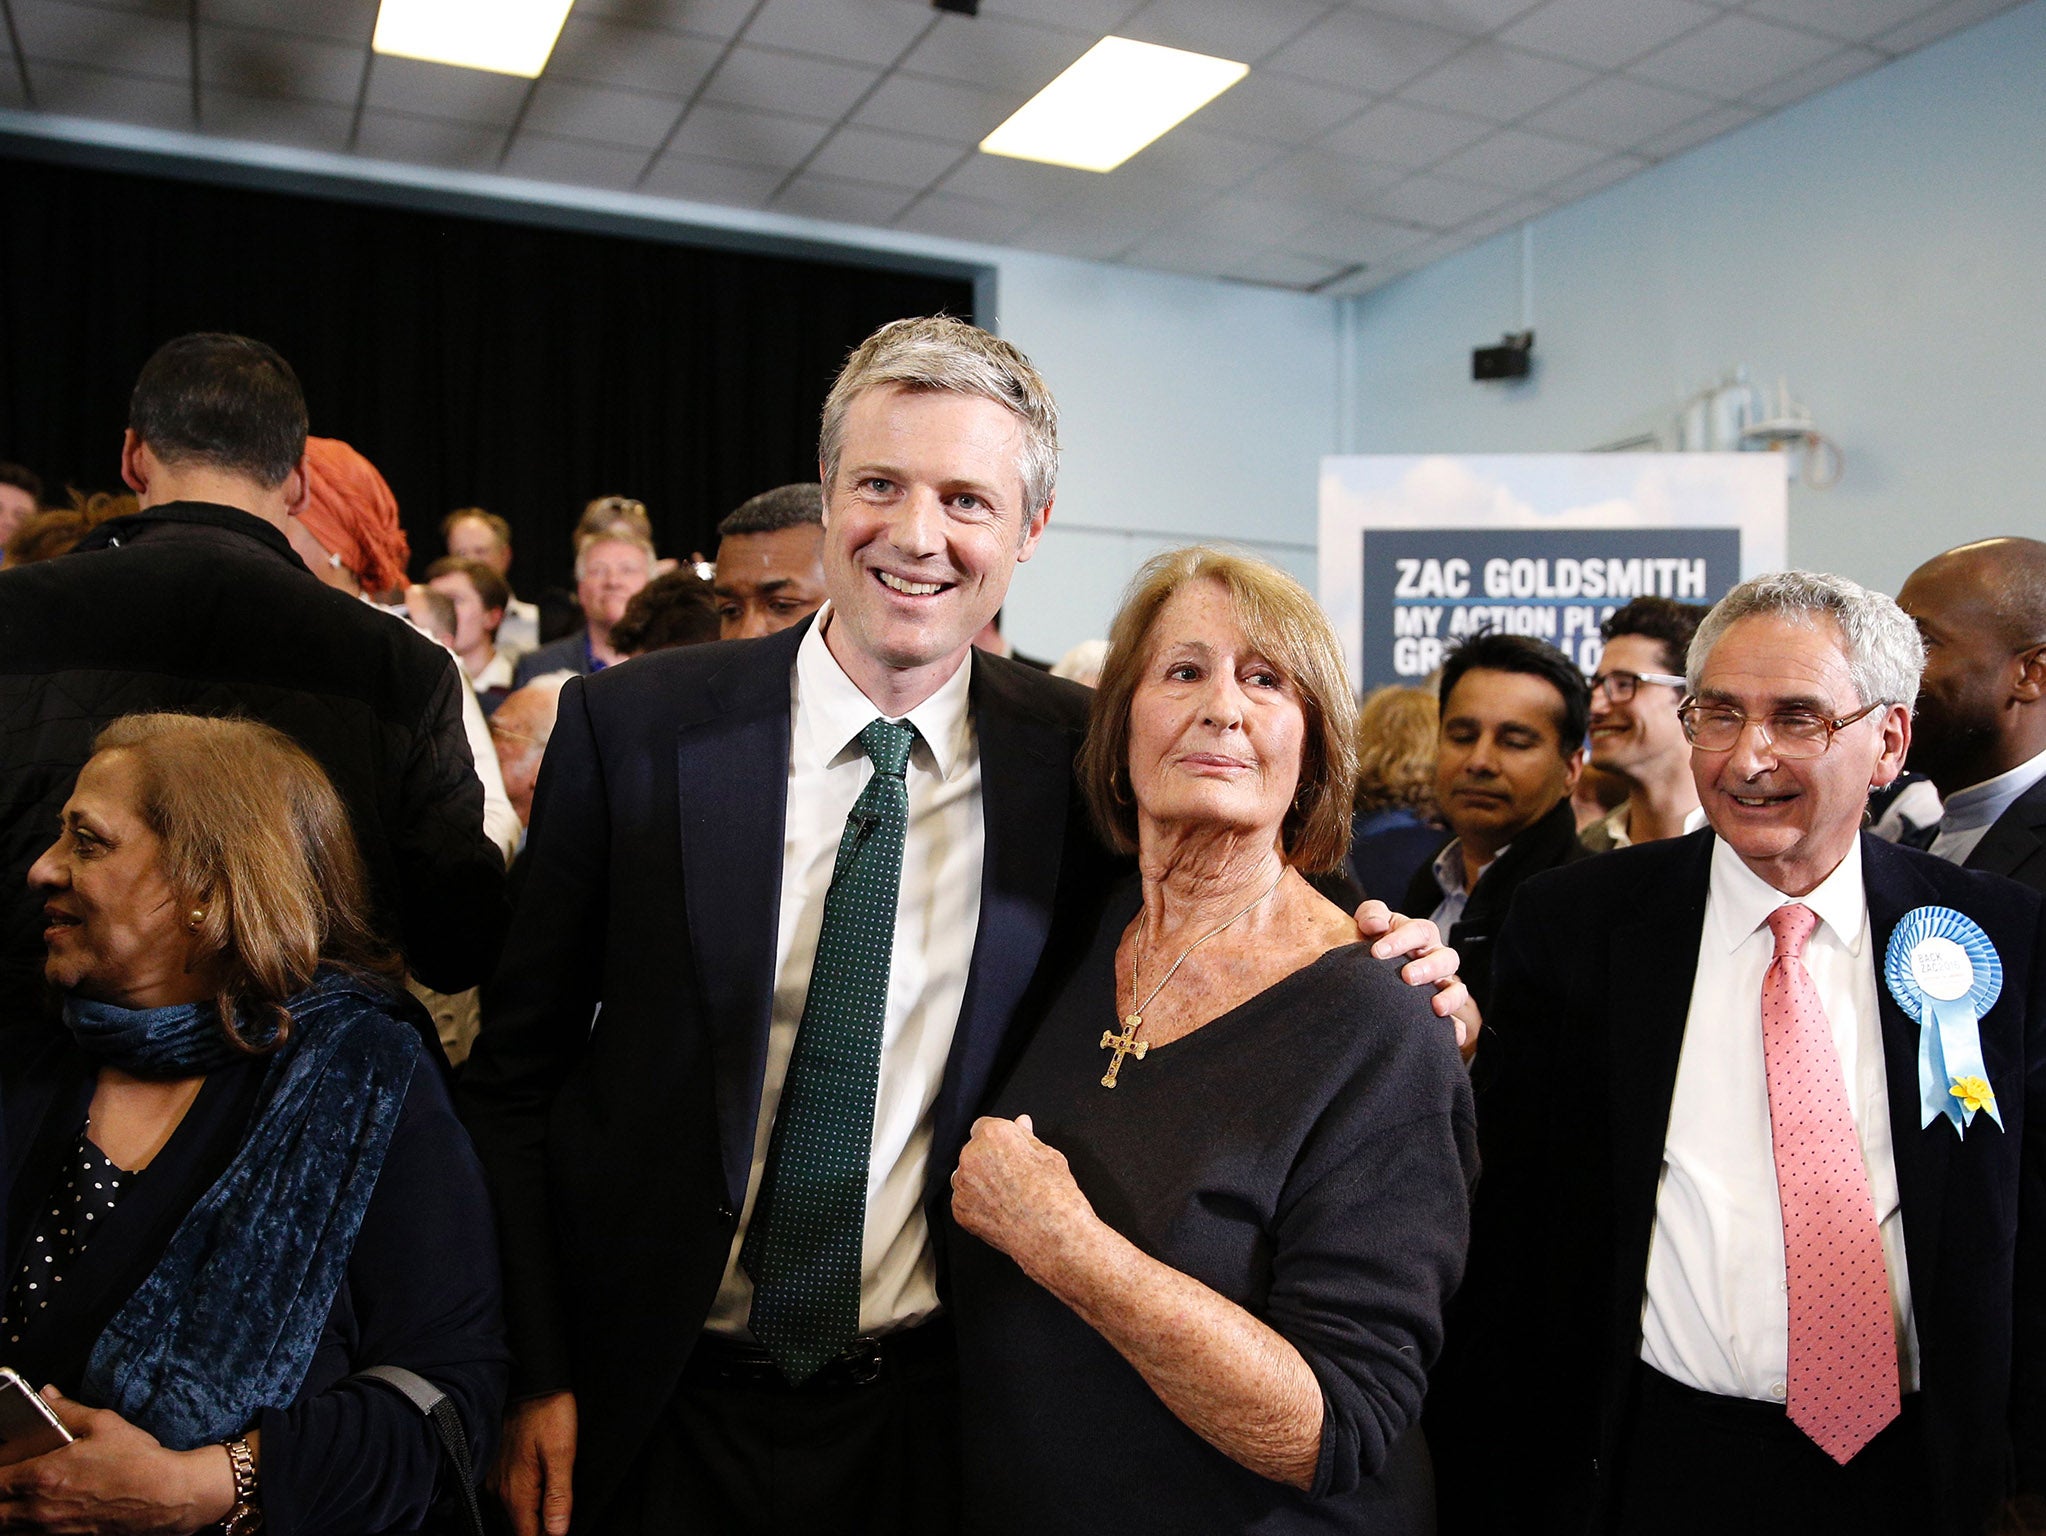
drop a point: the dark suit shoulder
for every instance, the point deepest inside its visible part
(1003, 683)
(1641, 874)
(1975, 892)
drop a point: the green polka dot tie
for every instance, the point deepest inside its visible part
(802, 1247)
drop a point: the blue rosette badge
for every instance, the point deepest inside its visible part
(1944, 972)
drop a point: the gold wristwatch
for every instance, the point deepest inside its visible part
(246, 1518)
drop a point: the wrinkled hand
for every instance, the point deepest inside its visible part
(115, 1478)
(532, 1476)
(1433, 965)
(1016, 1194)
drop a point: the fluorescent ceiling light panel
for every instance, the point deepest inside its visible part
(1115, 98)
(508, 37)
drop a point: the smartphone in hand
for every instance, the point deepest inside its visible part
(28, 1425)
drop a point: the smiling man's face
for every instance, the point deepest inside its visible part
(923, 527)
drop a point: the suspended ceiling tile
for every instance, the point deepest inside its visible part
(995, 54)
(1020, 184)
(570, 110)
(10, 85)
(1436, 202)
(1255, 220)
(1822, 76)
(765, 139)
(1618, 112)
(708, 18)
(76, 92)
(1602, 35)
(1512, 215)
(1279, 108)
(765, 78)
(262, 63)
(1472, 18)
(1098, 17)
(429, 141)
(1939, 22)
(341, 21)
(1856, 21)
(851, 202)
(1400, 133)
(1352, 237)
(1283, 270)
(270, 120)
(1211, 159)
(962, 218)
(1689, 135)
(574, 162)
(711, 181)
(937, 109)
(612, 53)
(1595, 178)
(1491, 80)
(887, 159)
(1362, 51)
(419, 89)
(1317, 177)
(87, 37)
(1246, 33)
(1730, 57)
(1194, 250)
(1520, 161)
(867, 31)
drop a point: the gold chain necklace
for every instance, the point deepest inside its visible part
(1127, 1043)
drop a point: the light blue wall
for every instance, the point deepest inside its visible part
(1882, 245)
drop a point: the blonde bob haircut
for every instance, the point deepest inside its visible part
(1285, 626)
(254, 835)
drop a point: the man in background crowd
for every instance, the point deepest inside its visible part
(199, 603)
(1510, 744)
(21, 494)
(474, 534)
(609, 568)
(1635, 733)
(520, 729)
(770, 562)
(481, 599)
(1980, 730)
(675, 608)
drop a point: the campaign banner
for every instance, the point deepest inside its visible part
(1419, 552)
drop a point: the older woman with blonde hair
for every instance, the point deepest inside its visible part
(1207, 1232)
(1394, 830)
(235, 1181)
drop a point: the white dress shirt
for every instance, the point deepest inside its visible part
(937, 914)
(1448, 868)
(1717, 1312)
(1970, 812)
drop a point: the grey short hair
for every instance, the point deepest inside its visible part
(617, 533)
(1884, 652)
(939, 353)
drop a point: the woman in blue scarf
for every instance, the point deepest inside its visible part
(234, 1180)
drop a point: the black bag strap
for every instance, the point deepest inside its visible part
(447, 1424)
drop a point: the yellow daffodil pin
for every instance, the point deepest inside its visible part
(1973, 1092)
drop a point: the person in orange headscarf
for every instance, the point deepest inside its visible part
(348, 532)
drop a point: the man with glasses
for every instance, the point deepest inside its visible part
(1744, 1257)
(1635, 734)
(1980, 731)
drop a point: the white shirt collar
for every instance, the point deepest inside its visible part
(831, 711)
(1980, 804)
(1449, 868)
(1742, 900)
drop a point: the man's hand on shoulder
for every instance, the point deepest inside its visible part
(535, 1464)
(1431, 964)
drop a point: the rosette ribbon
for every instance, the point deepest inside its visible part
(1944, 972)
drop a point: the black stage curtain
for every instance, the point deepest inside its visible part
(474, 361)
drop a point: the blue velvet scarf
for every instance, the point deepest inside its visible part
(227, 1322)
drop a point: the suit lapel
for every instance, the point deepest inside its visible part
(1920, 1152)
(1648, 999)
(732, 778)
(1026, 772)
(2015, 836)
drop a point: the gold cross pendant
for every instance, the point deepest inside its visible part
(1124, 1044)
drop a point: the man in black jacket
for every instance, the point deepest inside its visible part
(1980, 729)
(199, 605)
(1514, 714)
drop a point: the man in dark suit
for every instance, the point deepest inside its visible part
(1510, 746)
(722, 1288)
(1727, 1273)
(1980, 729)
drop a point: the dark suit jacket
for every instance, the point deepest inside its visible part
(1549, 842)
(619, 1153)
(571, 653)
(1592, 985)
(2015, 844)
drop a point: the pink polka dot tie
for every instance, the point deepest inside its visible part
(1842, 1386)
